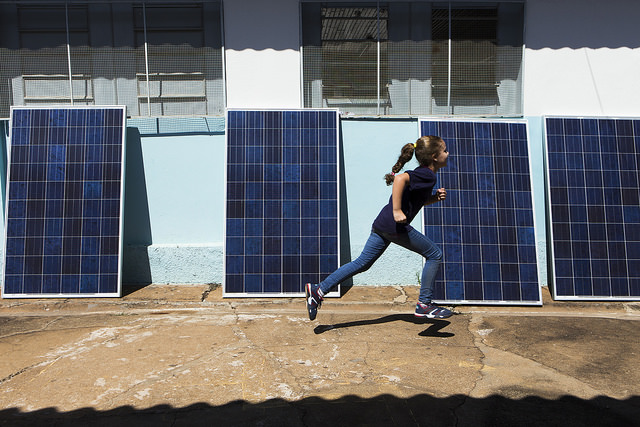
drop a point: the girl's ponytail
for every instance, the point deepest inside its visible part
(425, 148)
(406, 154)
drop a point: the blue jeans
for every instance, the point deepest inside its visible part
(377, 244)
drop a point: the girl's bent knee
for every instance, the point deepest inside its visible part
(435, 255)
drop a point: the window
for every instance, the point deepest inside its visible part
(159, 59)
(413, 58)
(349, 63)
(42, 36)
(177, 55)
(471, 78)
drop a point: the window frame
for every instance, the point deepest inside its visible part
(94, 47)
(501, 98)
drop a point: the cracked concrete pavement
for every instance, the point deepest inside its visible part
(183, 355)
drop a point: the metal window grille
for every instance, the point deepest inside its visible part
(465, 60)
(351, 52)
(158, 59)
(413, 58)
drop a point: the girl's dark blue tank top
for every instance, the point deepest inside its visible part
(415, 195)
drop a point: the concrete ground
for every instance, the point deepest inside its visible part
(183, 356)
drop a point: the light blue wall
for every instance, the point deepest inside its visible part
(535, 126)
(174, 197)
(174, 201)
(185, 177)
(370, 148)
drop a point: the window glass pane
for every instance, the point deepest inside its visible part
(431, 60)
(177, 60)
(42, 39)
(348, 58)
(473, 84)
(408, 60)
(107, 56)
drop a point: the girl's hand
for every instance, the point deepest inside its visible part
(438, 196)
(441, 194)
(399, 216)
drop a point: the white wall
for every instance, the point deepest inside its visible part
(262, 40)
(582, 58)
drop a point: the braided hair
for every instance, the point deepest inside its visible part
(424, 149)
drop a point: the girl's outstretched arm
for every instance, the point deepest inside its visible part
(438, 196)
(399, 184)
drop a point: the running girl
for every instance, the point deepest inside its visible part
(411, 190)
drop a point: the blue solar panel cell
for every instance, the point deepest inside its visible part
(282, 215)
(63, 205)
(594, 193)
(485, 227)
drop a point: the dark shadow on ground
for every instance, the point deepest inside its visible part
(129, 288)
(383, 410)
(431, 331)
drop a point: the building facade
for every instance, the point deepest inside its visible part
(177, 65)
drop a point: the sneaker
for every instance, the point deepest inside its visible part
(314, 300)
(431, 311)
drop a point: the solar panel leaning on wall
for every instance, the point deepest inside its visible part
(593, 194)
(486, 225)
(64, 202)
(281, 222)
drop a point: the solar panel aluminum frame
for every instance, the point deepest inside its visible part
(538, 301)
(118, 292)
(333, 294)
(549, 224)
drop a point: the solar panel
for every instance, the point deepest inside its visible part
(486, 225)
(64, 204)
(281, 201)
(593, 195)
